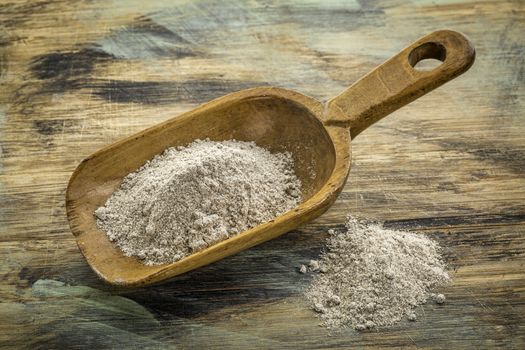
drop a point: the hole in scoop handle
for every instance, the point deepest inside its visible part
(396, 82)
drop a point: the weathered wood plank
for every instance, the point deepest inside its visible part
(77, 75)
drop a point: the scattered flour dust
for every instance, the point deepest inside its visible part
(188, 198)
(372, 277)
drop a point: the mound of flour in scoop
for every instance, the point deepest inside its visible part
(372, 277)
(188, 198)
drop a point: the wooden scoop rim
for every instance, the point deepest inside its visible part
(312, 207)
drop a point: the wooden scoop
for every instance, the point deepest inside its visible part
(317, 135)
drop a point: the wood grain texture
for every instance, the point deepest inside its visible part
(78, 75)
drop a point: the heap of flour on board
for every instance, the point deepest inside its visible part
(371, 276)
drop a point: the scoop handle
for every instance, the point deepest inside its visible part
(396, 82)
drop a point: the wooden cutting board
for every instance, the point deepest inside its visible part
(78, 75)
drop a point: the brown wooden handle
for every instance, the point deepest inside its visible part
(396, 82)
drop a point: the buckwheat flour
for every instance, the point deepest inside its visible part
(372, 277)
(188, 198)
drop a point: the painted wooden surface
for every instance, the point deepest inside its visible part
(77, 75)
